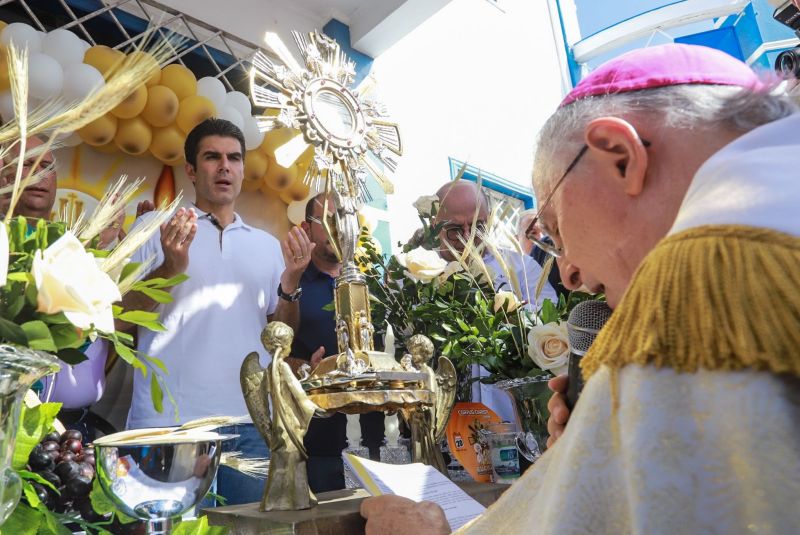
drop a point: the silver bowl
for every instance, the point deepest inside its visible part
(157, 482)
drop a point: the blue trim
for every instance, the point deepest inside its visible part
(632, 17)
(340, 32)
(493, 182)
(573, 67)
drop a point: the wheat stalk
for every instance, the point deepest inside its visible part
(138, 236)
(114, 200)
(256, 467)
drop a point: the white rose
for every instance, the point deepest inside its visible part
(421, 264)
(548, 346)
(450, 268)
(426, 204)
(69, 280)
(507, 300)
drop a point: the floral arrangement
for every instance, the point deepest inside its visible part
(58, 290)
(456, 305)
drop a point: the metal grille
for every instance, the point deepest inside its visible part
(208, 51)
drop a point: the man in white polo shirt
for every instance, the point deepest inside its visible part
(216, 316)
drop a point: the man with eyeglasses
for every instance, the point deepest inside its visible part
(315, 339)
(462, 204)
(688, 419)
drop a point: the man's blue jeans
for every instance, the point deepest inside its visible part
(236, 487)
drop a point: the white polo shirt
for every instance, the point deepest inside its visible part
(213, 322)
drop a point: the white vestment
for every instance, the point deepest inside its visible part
(702, 452)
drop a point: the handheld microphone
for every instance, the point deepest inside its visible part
(583, 324)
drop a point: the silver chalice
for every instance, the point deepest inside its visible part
(158, 482)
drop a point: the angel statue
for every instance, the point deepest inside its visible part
(428, 423)
(287, 483)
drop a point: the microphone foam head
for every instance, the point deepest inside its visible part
(584, 322)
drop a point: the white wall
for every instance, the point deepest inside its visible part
(473, 83)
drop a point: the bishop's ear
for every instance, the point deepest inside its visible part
(619, 151)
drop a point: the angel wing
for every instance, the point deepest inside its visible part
(256, 388)
(445, 396)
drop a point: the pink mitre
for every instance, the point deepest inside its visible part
(664, 65)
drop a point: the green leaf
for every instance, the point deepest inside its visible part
(67, 336)
(148, 320)
(39, 336)
(12, 332)
(198, 527)
(18, 277)
(34, 424)
(33, 476)
(157, 362)
(25, 520)
(129, 356)
(156, 395)
(72, 356)
(159, 296)
(330, 307)
(51, 525)
(30, 494)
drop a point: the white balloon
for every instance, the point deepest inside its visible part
(71, 140)
(6, 106)
(213, 90)
(80, 80)
(231, 114)
(45, 76)
(239, 101)
(86, 45)
(252, 135)
(23, 35)
(63, 46)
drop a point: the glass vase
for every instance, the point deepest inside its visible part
(19, 368)
(530, 396)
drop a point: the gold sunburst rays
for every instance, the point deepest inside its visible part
(351, 136)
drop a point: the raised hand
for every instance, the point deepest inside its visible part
(176, 237)
(144, 207)
(296, 249)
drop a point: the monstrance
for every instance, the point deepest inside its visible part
(352, 140)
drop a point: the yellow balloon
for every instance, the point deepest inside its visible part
(167, 144)
(193, 111)
(255, 165)
(162, 106)
(103, 58)
(279, 178)
(100, 131)
(180, 79)
(296, 192)
(108, 148)
(177, 163)
(148, 58)
(133, 136)
(3, 24)
(275, 139)
(4, 83)
(133, 105)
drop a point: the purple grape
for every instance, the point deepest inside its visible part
(52, 436)
(40, 460)
(78, 486)
(67, 456)
(71, 434)
(86, 469)
(74, 445)
(67, 470)
(50, 445)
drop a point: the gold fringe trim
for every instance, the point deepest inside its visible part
(717, 297)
